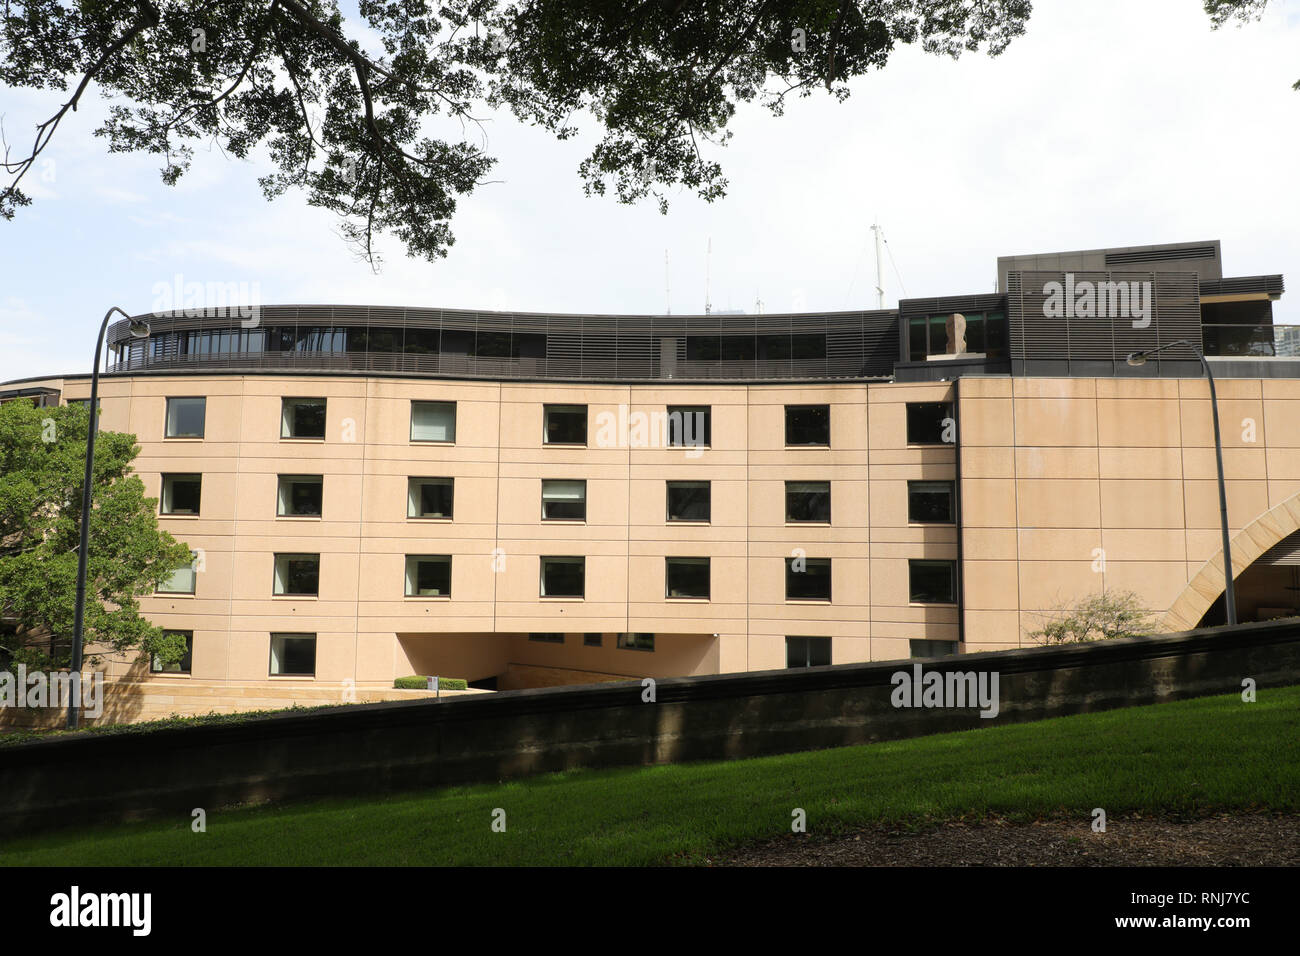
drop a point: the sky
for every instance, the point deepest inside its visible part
(1109, 123)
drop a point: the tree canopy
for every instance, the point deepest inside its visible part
(388, 136)
(42, 462)
(1243, 11)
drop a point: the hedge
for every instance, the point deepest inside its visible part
(416, 682)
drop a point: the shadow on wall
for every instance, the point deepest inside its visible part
(516, 663)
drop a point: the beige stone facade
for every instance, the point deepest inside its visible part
(1067, 487)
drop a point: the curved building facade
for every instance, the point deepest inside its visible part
(527, 500)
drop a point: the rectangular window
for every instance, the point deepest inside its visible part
(180, 581)
(738, 348)
(686, 578)
(185, 417)
(156, 666)
(592, 640)
(689, 501)
(433, 421)
(918, 342)
(774, 348)
(494, 345)
(421, 341)
(429, 497)
(300, 496)
(690, 426)
(181, 494)
(703, 348)
(931, 648)
(637, 642)
(293, 655)
(302, 418)
(428, 575)
(811, 583)
(808, 425)
(564, 425)
(297, 574)
(564, 500)
(930, 423)
(60, 650)
(807, 651)
(563, 577)
(929, 502)
(547, 638)
(932, 582)
(808, 501)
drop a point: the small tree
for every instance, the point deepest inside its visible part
(42, 460)
(1098, 617)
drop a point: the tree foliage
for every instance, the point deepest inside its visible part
(42, 462)
(389, 141)
(1243, 11)
(1098, 617)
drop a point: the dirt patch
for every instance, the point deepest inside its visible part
(1240, 839)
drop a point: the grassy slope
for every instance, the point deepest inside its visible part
(1184, 757)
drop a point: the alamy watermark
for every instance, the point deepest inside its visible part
(195, 299)
(946, 689)
(1122, 299)
(77, 908)
(58, 689)
(628, 429)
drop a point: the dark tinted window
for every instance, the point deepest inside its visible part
(690, 425)
(932, 582)
(807, 651)
(688, 501)
(565, 425)
(564, 500)
(808, 501)
(430, 498)
(181, 494)
(921, 648)
(930, 502)
(930, 423)
(807, 424)
(428, 575)
(563, 577)
(293, 654)
(686, 577)
(302, 418)
(180, 667)
(811, 583)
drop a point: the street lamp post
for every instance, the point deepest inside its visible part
(1229, 595)
(140, 329)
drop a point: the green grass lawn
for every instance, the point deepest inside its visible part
(1182, 758)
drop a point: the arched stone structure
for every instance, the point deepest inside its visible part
(1247, 545)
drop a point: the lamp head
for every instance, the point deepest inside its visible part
(140, 328)
(1137, 359)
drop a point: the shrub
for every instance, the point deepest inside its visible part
(1098, 617)
(420, 683)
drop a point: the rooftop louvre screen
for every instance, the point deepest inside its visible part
(525, 346)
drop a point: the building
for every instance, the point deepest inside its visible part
(524, 500)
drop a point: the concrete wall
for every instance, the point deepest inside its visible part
(376, 748)
(498, 461)
(1051, 471)
(1059, 473)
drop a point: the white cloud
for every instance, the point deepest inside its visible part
(1109, 123)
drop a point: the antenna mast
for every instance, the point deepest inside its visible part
(668, 297)
(880, 282)
(708, 267)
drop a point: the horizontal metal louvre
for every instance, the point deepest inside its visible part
(1175, 313)
(1237, 285)
(1159, 255)
(1285, 553)
(601, 348)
